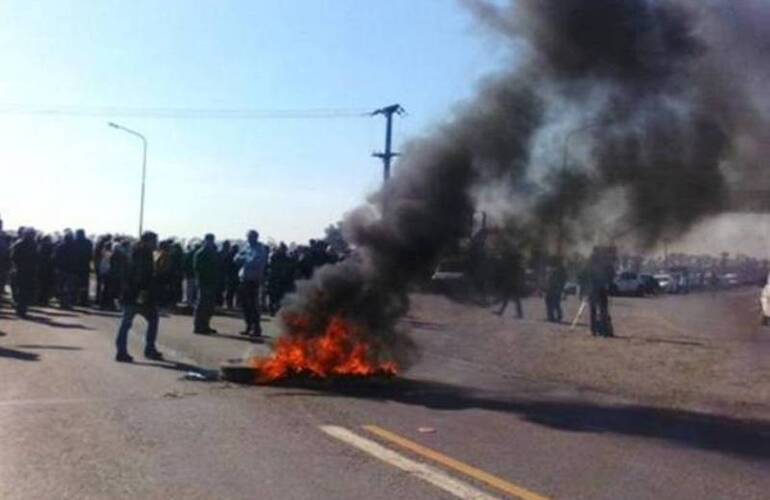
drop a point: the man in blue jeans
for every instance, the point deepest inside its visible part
(139, 297)
(251, 262)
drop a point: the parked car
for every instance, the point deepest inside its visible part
(570, 288)
(697, 281)
(665, 282)
(681, 276)
(730, 280)
(628, 283)
(450, 276)
(650, 284)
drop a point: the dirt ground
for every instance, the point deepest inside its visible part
(703, 351)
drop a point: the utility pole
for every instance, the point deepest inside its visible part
(387, 155)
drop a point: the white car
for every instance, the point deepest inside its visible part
(449, 276)
(628, 284)
(731, 280)
(666, 282)
(764, 302)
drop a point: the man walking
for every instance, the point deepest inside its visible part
(251, 261)
(139, 290)
(206, 267)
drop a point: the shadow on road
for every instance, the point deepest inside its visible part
(653, 340)
(243, 338)
(57, 324)
(746, 438)
(100, 312)
(52, 347)
(55, 314)
(19, 355)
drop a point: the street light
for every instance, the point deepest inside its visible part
(565, 154)
(144, 169)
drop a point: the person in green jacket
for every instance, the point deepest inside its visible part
(206, 266)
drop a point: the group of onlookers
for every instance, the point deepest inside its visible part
(147, 275)
(40, 269)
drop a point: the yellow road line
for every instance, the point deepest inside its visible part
(430, 474)
(451, 463)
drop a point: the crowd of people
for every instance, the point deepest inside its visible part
(498, 265)
(148, 275)
(197, 277)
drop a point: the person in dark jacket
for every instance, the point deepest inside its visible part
(600, 274)
(102, 243)
(64, 262)
(139, 297)
(24, 257)
(231, 278)
(556, 278)
(509, 280)
(105, 294)
(177, 273)
(207, 267)
(45, 271)
(83, 254)
(191, 289)
(5, 259)
(223, 256)
(280, 277)
(164, 274)
(118, 263)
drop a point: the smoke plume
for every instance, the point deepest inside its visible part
(644, 108)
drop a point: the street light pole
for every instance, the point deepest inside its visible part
(565, 155)
(144, 169)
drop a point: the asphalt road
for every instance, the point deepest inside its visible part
(75, 424)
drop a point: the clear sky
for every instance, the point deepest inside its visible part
(287, 178)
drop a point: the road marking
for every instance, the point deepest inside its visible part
(451, 463)
(434, 476)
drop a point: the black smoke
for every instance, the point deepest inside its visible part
(651, 87)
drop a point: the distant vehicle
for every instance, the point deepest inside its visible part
(628, 283)
(650, 284)
(570, 288)
(450, 276)
(681, 277)
(764, 302)
(731, 280)
(665, 282)
(711, 280)
(697, 281)
(682, 283)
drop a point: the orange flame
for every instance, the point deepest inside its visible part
(339, 351)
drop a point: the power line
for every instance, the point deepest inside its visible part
(183, 113)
